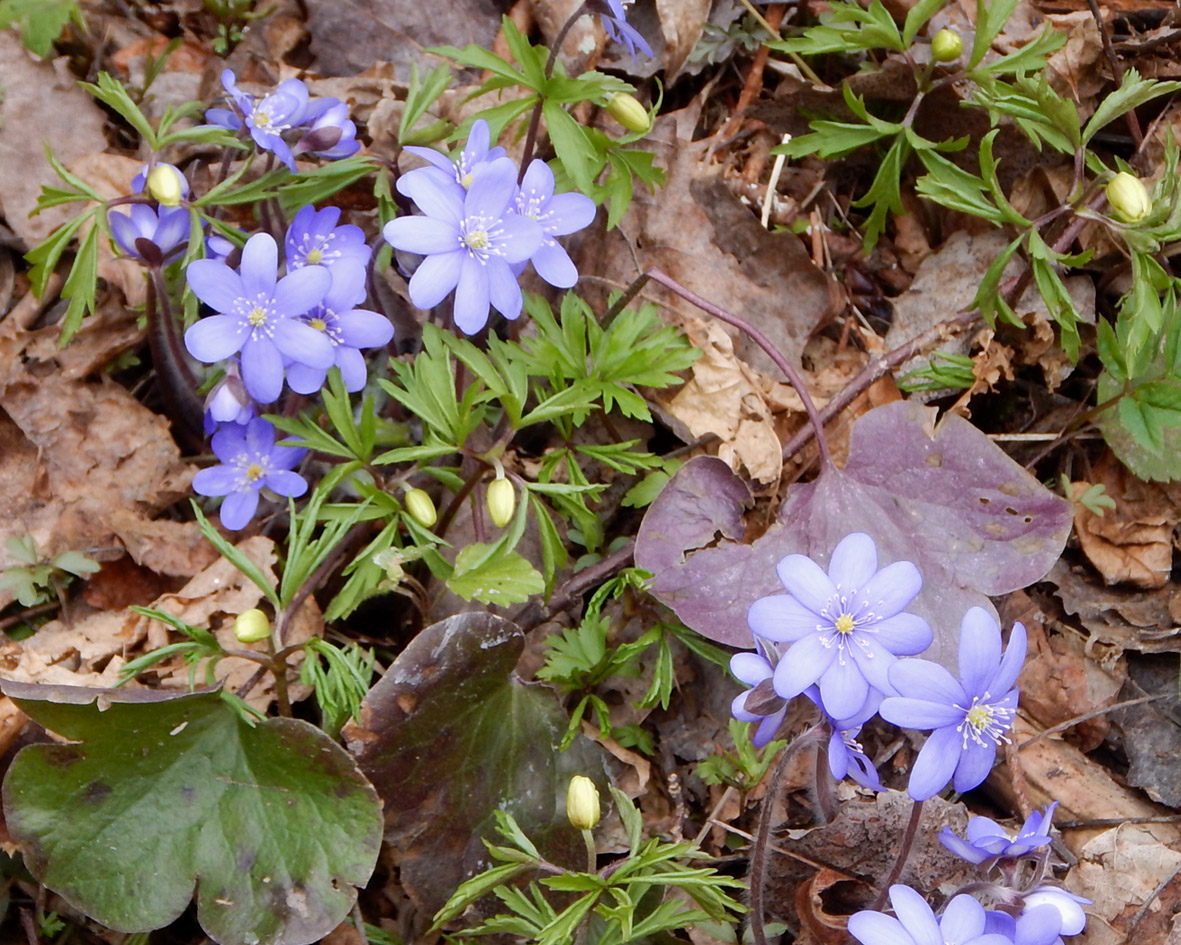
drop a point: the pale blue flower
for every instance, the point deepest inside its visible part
(986, 838)
(314, 239)
(969, 716)
(613, 14)
(250, 462)
(471, 240)
(913, 923)
(759, 703)
(558, 215)
(845, 627)
(461, 167)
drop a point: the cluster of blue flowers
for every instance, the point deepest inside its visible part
(478, 229)
(845, 630)
(266, 327)
(288, 122)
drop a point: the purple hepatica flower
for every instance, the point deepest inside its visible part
(986, 839)
(474, 154)
(471, 241)
(969, 717)
(846, 757)
(150, 235)
(250, 461)
(330, 133)
(314, 239)
(962, 923)
(846, 627)
(558, 215)
(346, 327)
(1040, 925)
(613, 14)
(266, 119)
(257, 316)
(1067, 904)
(759, 703)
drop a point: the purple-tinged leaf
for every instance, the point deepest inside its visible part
(943, 496)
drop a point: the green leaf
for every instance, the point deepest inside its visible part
(917, 17)
(40, 21)
(506, 578)
(110, 92)
(991, 17)
(234, 556)
(1132, 93)
(420, 95)
(884, 194)
(44, 256)
(81, 286)
(159, 796)
(572, 146)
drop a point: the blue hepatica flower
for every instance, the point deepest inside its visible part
(331, 134)
(759, 703)
(1041, 925)
(913, 923)
(258, 316)
(558, 215)
(970, 716)
(613, 14)
(845, 627)
(846, 757)
(250, 462)
(461, 168)
(471, 240)
(266, 119)
(986, 838)
(314, 239)
(228, 401)
(1068, 906)
(148, 234)
(346, 327)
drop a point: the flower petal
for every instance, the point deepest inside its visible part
(961, 847)
(301, 290)
(471, 296)
(306, 380)
(218, 480)
(262, 370)
(238, 509)
(518, 238)
(903, 634)
(286, 483)
(503, 290)
(935, 764)
(806, 582)
(804, 663)
(915, 915)
(854, 561)
(554, 265)
(1011, 663)
(214, 338)
(980, 650)
(423, 235)
(919, 713)
(436, 192)
(782, 619)
(301, 342)
(493, 187)
(750, 668)
(215, 284)
(842, 687)
(434, 279)
(874, 928)
(362, 328)
(874, 661)
(976, 761)
(922, 679)
(889, 591)
(568, 213)
(962, 919)
(260, 266)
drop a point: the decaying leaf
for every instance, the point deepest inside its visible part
(987, 526)
(449, 735)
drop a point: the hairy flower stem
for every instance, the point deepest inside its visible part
(912, 830)
(173, 374)
(279, 669)
(535, 118)
(761, 848)
(792, 375)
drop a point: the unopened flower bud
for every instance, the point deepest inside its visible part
(629, 112)
(946, 46)
(421, 508)
(252, 625)
(165, 185)
(1128, 198)
(582, 802)
(502, 502)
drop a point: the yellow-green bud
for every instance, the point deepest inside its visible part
(630, 112)
(1128, 198)
(421, 508)
(582, 802)
(164, 185)
(502, 502)
(252, 625)
(946, 46)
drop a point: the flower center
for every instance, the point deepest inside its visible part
(845, 624)
(254, 472)
(318, 323)
(985, 723)
(476, 239)
(314, 256)
(465, 179)
(257, 316)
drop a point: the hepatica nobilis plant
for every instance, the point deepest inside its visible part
(841, 636)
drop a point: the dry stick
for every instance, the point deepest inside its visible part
(1117, 71)
(760, 848)
(1070, 723)
(792, 375)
